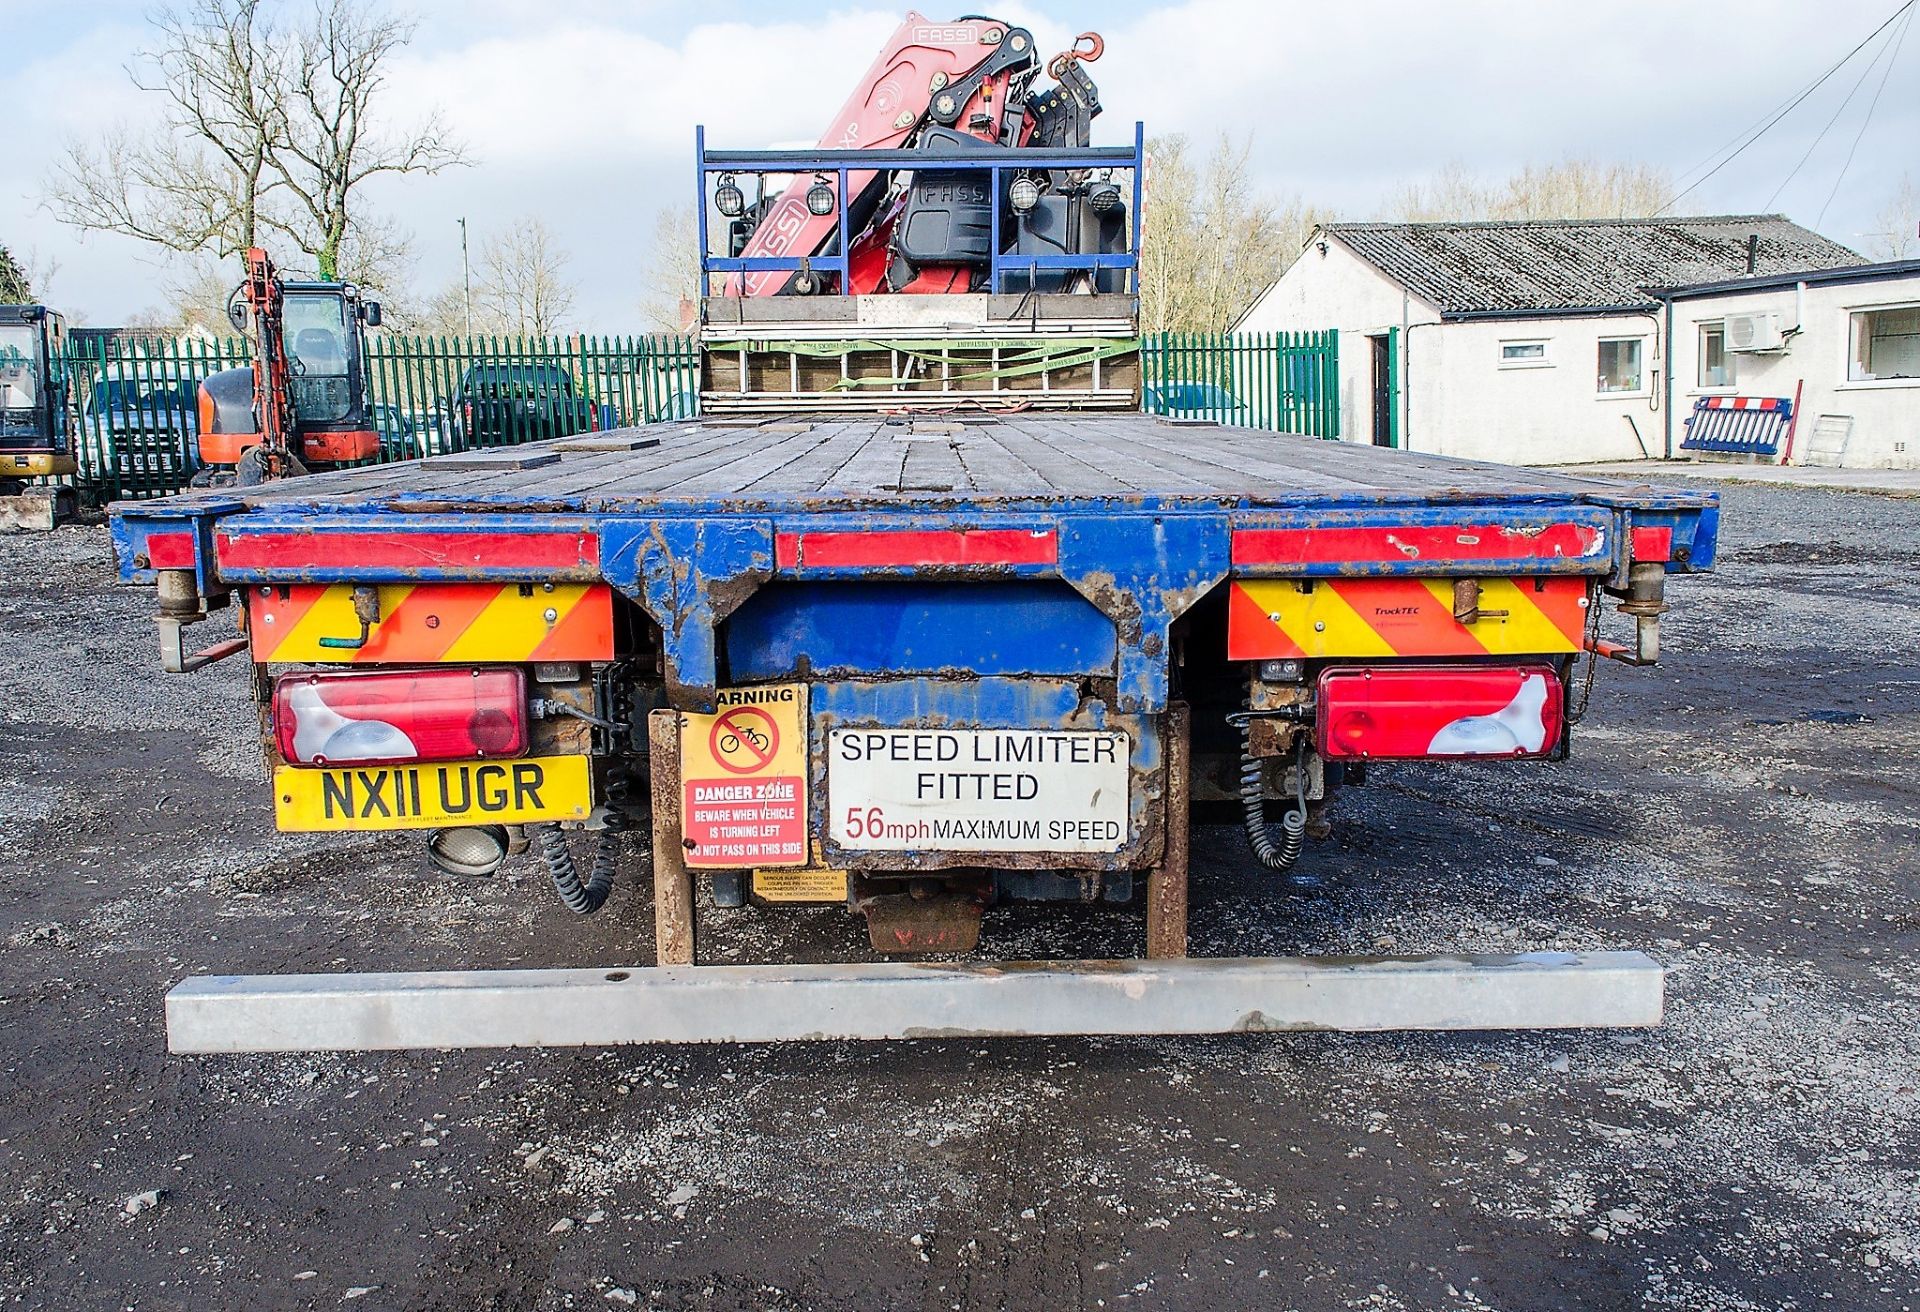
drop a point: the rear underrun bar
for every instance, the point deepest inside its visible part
(895, 1000)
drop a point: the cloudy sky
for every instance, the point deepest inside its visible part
(582, 112)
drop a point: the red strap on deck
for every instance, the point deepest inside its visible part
(1414, 544)
(408, 552)
(916, 549)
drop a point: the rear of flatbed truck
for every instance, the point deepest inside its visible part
(921, 615)
(812, 677)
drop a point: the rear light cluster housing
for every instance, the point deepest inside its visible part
(1440, 712)
(398, 717)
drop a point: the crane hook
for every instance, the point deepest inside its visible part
(1095, 46)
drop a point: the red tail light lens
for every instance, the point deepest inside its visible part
(1439, 712)
(393, 717)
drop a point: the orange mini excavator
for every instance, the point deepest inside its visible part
(304, 400)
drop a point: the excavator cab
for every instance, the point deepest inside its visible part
(36, 424)
(303, 402)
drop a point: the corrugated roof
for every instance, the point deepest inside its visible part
(1579, 264)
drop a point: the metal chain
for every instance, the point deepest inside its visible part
(1579, 709)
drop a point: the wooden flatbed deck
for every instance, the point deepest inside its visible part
(829, 462)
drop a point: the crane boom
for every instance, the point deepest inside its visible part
(966, 78)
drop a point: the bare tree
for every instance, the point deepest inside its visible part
(196, 181)
(378, 255)
(523, 279)
(444, 314)
(670, 276)
(1573, 188)
(328, 144)
(1211, 244)
(262, 129)
(200, 292)
(1896, 234)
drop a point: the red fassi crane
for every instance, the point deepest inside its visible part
(970, 77)
(303, 400)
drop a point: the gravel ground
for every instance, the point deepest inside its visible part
(1747, 813)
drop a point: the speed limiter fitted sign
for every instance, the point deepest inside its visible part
(977, 790)
(744, 774)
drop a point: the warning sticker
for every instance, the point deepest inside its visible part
(744, 770)
(815, 883)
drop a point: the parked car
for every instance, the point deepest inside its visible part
(399, 437)
(1194, 401)
(150, 424)
(506, 404)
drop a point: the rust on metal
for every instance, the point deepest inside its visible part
(672, 885)
(900, 924)
(1167, 881)
(1270, 736)
(1466, 603)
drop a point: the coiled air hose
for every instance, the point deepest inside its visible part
(581, 899)
(1273, 853)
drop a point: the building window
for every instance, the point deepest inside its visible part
(1620, 364)
(1886, 344)
(1523, 355)
(1716, 366)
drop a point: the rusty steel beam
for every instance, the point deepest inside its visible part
(1167, 881)
(899, 1000)
(672, 885)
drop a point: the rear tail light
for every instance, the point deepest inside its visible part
(390, 718)
(1439, 711)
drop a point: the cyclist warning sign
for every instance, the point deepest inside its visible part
(744, 771)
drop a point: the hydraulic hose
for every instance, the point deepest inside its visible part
(581, 899)
(1274, 853)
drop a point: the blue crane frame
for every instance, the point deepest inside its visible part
(997, 161)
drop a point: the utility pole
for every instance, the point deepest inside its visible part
(466, 274)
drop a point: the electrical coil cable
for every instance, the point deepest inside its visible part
(581, 899)
(1280, 853)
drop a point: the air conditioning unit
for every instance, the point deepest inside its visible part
(1755, 332)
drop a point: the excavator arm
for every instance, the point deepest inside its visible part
(261, 293)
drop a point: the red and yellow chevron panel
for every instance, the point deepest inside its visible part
(1269, 619)
(431, 623)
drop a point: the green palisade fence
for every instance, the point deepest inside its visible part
(1284, 382)
(138, 421)
(138, 412)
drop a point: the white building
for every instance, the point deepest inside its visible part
(1526, 342)
(1842, 345)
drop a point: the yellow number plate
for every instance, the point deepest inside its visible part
(433, 796)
